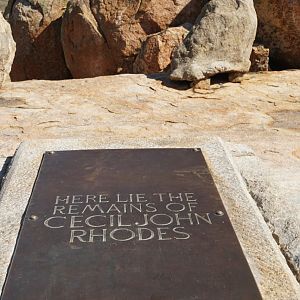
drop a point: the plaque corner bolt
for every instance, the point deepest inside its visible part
(197, 149)
(33, 218)
(219, 213)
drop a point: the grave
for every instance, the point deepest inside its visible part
(111, 221)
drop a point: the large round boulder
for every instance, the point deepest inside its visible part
(220, 41)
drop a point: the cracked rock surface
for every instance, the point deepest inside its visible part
(262, 111)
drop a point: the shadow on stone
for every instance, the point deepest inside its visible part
(190, 11)
(4, 169)
(44, 58)
(166, 81)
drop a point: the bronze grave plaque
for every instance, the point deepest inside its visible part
(127, 224)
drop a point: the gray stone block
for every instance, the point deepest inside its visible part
(273, 276)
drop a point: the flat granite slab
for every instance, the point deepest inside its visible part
(272, 274)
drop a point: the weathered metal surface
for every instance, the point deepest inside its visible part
(127, 224)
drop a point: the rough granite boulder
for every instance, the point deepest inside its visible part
(7, 50)
(86, 51)
(220, 41)
(156, 52)
(125, 24)
(36, 27)
(279, 30)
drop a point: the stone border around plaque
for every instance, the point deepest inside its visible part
(273, 277)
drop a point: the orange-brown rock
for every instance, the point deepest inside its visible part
(86, 51)
(156, 52)
(36, 27)
(7, 50)
(279, 30)
(259, 59)
(126, 23)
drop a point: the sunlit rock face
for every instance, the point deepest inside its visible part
(220, 41)
(7, 50)
(279, 30)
